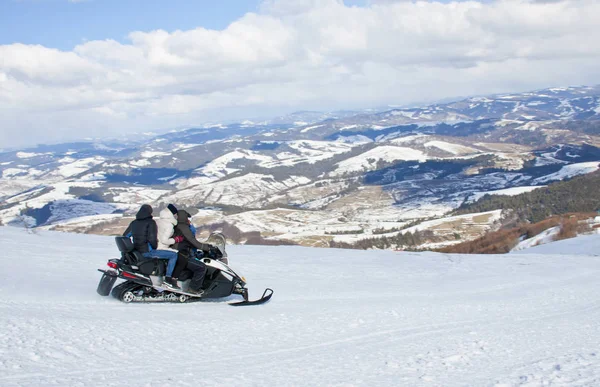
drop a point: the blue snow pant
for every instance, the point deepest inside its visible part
(164, 254)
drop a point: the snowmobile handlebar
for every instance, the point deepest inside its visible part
(213, 252)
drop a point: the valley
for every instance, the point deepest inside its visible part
(318, 179)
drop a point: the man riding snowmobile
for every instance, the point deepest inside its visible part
(186, 258)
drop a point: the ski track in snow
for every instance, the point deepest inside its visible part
(337, 318)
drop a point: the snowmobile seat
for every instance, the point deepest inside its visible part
(124, 244)
(146, 266)
(128, 252)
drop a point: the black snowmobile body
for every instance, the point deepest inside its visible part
(144, 278)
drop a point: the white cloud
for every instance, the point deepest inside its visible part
(297, 54)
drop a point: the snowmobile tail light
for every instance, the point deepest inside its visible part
(112, 265)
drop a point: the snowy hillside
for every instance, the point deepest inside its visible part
(582, 245)
(375, 171)
(337, 318)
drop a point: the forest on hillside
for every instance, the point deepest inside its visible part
(580, 194)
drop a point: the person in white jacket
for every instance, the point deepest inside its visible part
(165, 224)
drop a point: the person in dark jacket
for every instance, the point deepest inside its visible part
(144, 231)
(186, 259)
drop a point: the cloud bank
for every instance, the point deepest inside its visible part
(296, 54)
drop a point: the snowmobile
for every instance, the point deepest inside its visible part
(144, 277)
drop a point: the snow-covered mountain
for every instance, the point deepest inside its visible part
(315, 178)
(337, 318)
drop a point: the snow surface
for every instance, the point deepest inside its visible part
(27, 155)
(185, 147)
(569, 171)
(318, 150)
(217, 168)
(140, 163)
(337, 318)
(11, 172)
(530, 126)
(87, 221)
(546, 236)
(311, 128)
(256, 187)
(455, 149)
(64, 210)
(72, 167)
(506, 192)
(307, 151)
(368, 160)
(582, 245)
(57, 192)
(132, 196)
(409, 138)
(492, 216)
(403, 113)
(149, 154)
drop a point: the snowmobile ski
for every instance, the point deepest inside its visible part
(265, 298)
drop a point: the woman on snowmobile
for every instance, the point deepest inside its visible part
(166, 223)
(186, 259)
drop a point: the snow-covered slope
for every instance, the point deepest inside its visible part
(569, 171)
(337, 318)
(546, 236)
(582, 245)
(507, 192)
(368, 160)
(246, 190)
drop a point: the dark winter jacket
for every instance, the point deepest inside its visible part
(189, 239)
(143, 230)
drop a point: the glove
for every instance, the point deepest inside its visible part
(178, 238)
(214, 252)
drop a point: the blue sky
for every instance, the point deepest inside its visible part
(64, 24)
(93, 68)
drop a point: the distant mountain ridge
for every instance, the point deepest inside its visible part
(315, 178)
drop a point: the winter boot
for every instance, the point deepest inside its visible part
(171, 283)
(198, 292)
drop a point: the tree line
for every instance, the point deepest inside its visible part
(580, 194)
